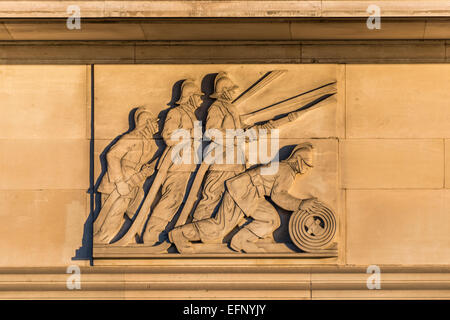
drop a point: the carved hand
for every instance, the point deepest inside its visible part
(148, 169)
(147, 133)
(123, 188)
(293, 116)
(309, 204)
(267, 125)
(252, 134)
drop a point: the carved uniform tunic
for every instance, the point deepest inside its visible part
(174, 186)
(221, 116)
(125, 160)
(245, 198)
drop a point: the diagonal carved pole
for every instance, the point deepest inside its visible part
(100, 220)
(258, 86)
(138, 224)
(288, 105)
(294, 115)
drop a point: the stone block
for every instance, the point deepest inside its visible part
(375, 164)
(358, 8)
(4, 34)
(402, 227)
(207, 30)
(41, 227)
(88, 31)
(43, 102)
(373, 51)
(218, 53)
(355, 30)
(43, 53)
(437, 29)
(447, 163)
(398, 101)
(38, 164)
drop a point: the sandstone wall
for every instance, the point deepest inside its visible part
(393, 151)
(44, 163)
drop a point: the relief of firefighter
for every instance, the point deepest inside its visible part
(219, 183)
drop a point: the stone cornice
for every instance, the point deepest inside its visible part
(206, 8)
(227, 282)
(223, 29)
(198, 52)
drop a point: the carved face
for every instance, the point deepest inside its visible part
(225, 89)
(195, 100)
(302, 160)
(303, 166)
(229, 94)
(146, 121)
(152, 124)
(143, 119)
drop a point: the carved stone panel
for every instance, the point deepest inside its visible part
(217, 160)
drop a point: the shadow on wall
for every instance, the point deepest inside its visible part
(85, 251)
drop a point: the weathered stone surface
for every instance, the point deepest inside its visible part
(337, 8)
(204, 52)
(211, 8)
(395, 51)
(224, 30)
(36, 164)
(4, 34)
(68, 53)
(447, 163)
(357, 29)
(380, 164)
(43, 107)
(437, 30)
(447, 50)
(398, 227)
(398, 101)
(88, 31)
(218, 53)
(50, 9)
(148, 8)
(41, 227)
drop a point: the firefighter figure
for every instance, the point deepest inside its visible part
(222, 116)
(245, 198)
(122, 186)
(173, 188)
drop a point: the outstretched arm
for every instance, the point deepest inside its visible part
(282, 198)
(280, 194)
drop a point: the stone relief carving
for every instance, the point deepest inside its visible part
(227, 205)
(128, 168)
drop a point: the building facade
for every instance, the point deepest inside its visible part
(373, 75)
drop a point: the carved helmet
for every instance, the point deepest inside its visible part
(303, 153)
(188, 88)
(143, 114)
(222, 83)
